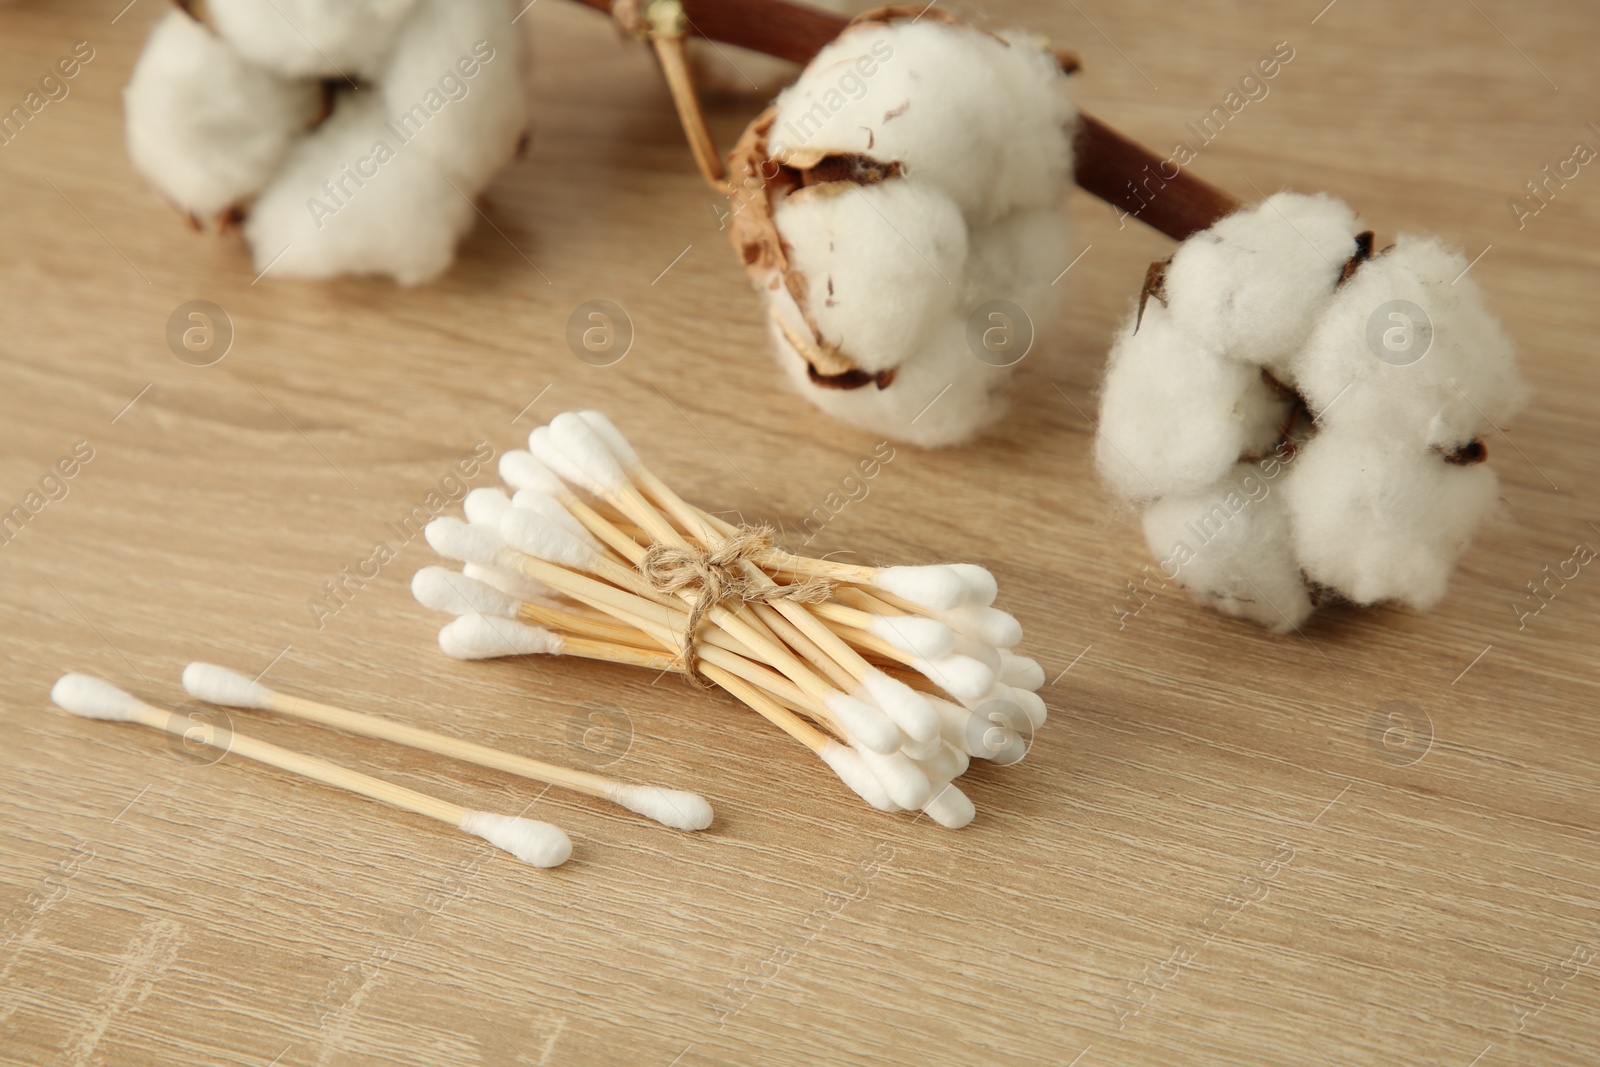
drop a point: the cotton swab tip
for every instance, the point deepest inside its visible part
(91, 698)
(442, 589)
(961, 676)
(613, 438)
(980, 586)
(902, 779)
(587, 450)
(915, 636)
(481, 637)
(1021, 672)
(989, 625)
(676, 808)
(523, 470)
(457, 540)
(951, 808)
(853, 772)
(484, 505)
(903, 704)
(531, 841)
(937, 588)
(218, 685)
(538, 536)
(864, 723)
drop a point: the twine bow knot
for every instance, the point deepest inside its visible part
(718, 574)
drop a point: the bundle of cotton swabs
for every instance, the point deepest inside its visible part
(895, 676)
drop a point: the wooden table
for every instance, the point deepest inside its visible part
(1373, 843)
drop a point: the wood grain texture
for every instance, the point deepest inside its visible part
(1205, 859)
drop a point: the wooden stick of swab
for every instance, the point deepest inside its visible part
(538, 843)
(670, 807)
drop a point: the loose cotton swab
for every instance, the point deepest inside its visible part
(670, 807)
(538, 843)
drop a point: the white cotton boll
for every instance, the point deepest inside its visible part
(951, 808)
(517, 586)
(1383, 519)
(853, 772)
(453, 87)
(205, 126)
(484, 505)
(952, 104)
(1369, 362)
(1230, 545)
(1017, 258)
(312, 38)
(1175, 416)
(942, 397)
(877, 260)
(1020, 672)
(1250, 286)
(352, 199)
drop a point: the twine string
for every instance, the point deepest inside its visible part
(717, 575)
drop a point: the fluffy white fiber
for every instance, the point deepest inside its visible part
(218, 685)
(670, 807)
(206, 126)
(538, 843)
(487, 637)
(963, 145)
(92, 698)
(1292, 435)
(218, 114)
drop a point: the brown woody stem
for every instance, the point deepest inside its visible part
(1109, 165)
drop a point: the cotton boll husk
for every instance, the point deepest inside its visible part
(469, 126)
(312, 38)
(1383, 519)
(404, 220)
(1175, 416)
(205, 126)
(937, 102)
(1250, 286)
(1468, 373)
(916, 408)
(1232, 548)
(877, 260)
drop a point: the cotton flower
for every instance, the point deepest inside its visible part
(1301, 416)
(915, 173)
(351, 136)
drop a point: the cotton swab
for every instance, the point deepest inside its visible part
(855, 662)
(538, 843)
(670, 807)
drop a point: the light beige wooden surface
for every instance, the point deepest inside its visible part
(1206, 819)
